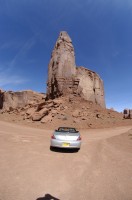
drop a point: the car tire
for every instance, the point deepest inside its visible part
(52, 148)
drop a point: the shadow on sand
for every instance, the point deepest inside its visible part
(61, 150)
(47, 197)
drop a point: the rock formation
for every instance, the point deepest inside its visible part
(11, 100)
(1, 98)
(92, 86)
(65, 78)
(62, 67)
(127, 113)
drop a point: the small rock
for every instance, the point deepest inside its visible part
(76, 121)
(84, 118)
(76, 113)
(98, 115)
(62, 116)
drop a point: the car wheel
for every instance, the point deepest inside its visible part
(52, 148)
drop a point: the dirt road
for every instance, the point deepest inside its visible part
(101, 170)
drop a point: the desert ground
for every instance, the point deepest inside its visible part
(101, 170)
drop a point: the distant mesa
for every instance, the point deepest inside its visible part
(127, 113)
(65, 78)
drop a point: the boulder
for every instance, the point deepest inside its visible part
(44, 111)
(41, 105)
(37, 116)
(46, 119)
(31, 111)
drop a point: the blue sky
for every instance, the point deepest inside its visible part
(101, 31)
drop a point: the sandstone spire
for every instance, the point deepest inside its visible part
(65, 78)
(62, 66)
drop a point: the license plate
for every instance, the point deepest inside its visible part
(65, 144)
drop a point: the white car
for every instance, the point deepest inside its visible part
(66, 137)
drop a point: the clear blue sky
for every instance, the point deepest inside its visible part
(101, 31)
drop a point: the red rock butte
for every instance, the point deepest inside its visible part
(65, 78)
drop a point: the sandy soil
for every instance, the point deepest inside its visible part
(101, 170)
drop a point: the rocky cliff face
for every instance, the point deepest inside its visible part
(65, 78)
(11, 100)
(91, 85)
(1, 98)
(127, 113)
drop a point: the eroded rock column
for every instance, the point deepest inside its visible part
(62, 68)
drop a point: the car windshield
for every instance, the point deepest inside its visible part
(67, 129)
